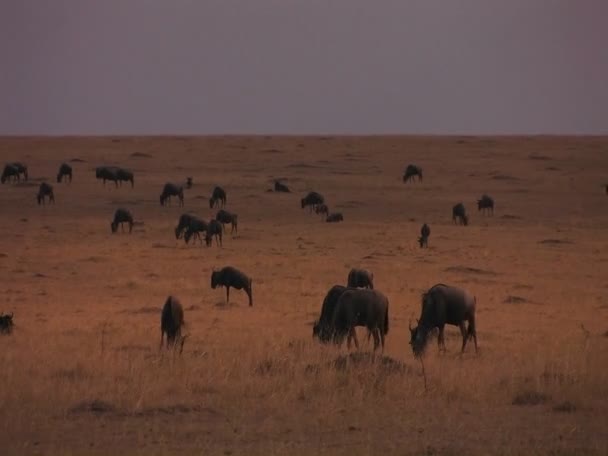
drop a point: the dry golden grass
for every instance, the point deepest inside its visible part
(82, 374)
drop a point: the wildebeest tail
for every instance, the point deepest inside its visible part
(386, 321)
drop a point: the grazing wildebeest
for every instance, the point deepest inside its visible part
(218, 196)
(459, 214)
(412, 171)
(65, 170)
(281, 187)
(425, 232)
(360, 278)
(170, 190)
(182, 224)
(322, 327)
(224, 217)
(122, 216)
(43, 191)
(195, 228)
(441, 305)
(107, 173)
(6, 323)
(335, 217)
(8, 172)
(360, 307)
(485, 204)
(322, 209)
(312, 200)
(232, 277)
(214, 228)
(171, 323)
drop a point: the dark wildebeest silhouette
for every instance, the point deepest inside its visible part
(214, 228)
(485, 204)
(411, 172)
(335, 217)
(122, 216)
(360, 307)
(425, 232)
(125, 175)
(312, 200)
(14, 170)
(189, 182)
(107, 173)
(225, 217)
(360, 278)
(322, 327)
(444, 305)
(6, 323)
(182, 224)
(217, 196)
(232, 277)
(65, 170)
(459, 214)
(322, 209)
(171, 323)
(281, 187)
(195, 228)
(170, 190)
(45, 190)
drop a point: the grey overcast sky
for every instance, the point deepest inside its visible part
(303, 66)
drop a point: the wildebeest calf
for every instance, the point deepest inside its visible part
(425, 232)
(335, 217)
(281, 187)
(214, 228)
(171, 323)
(45, 190)
(6, 323)
(65, 170)
(224, 217)
(485, 204)
(412, 171)
(170, 190)
(360, 278)
(122, 216)
(232, 277)
(459, 214)
(217, 196)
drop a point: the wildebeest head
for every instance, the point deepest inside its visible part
(178, 232)
(6, 323)
(465, 220)
(211, 201)
(114, 226)
(303, 202)
(215, 278)
(162, 199)
(321, 332)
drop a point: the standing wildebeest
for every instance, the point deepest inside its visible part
(459, 214)
(360, 307)
(182, 224)
(195, 228)
(43, 191)
(214, 228)
(441, 305)
(170, 190)
(64, 170)
(425, 232)
(6, 323)
(412, 171)
(171, 322)
(224, 217)
(218, 196)
(122, 216)
(322, 209)
(281, 187)
(313, 199)
(232, 277)
(360, 278)
(107, 173)
(335, 217)
(485, 204)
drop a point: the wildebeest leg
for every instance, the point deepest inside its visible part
(441, 340)
(465, 336)
(228, 294)
(354, 336)
(376, 338)
(162, 333)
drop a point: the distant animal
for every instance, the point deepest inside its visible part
(411, 172)
(106, 173)
(459, 214)
(21, 169)
(232, 277)
(360, 278)
(441, 305)
(65, 170)
(281, 187)
(125, 175)
(322, 209)
(485, 204)
(189, 182)
(335, 217)
(312, 200)
(217, 196)
(425, 232)
(10, 171)
(195, 228)
(170, 190)
(361, 307)
(214, 228)
(122, 216)
(6, 323)
(182, 224)
(45, 190)
(171, 323)
(225, 217)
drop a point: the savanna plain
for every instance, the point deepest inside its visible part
(82, 373)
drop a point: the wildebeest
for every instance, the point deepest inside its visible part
(217, 196)
(360, 278)
(485, 204)
(281, 187)
(459, 214)
(425, 232)
(195, 228)
(45, 190)
(122, 216)
(322, 209)
(170, 190)
(6, 323)
(232, 277)
(224, 217)
(14, 170)
(322, 327)
(214, 228)
(312, 200)
(412, 171)
(189, 182)
(441, 305)
(107, 173)
(335, 217)
(65, 170)
(171, 323)
(125, 175)
(182, 224)
(360, 307)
